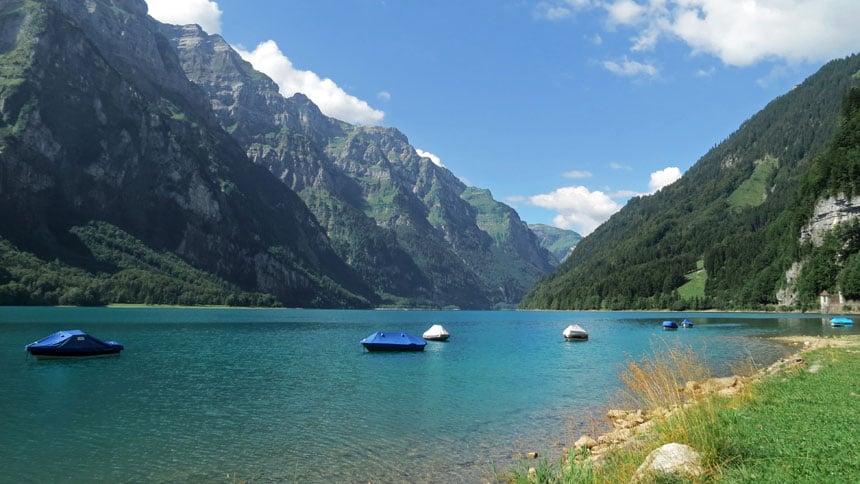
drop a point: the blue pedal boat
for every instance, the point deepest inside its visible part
(839, 322)
(72, 343)
(670, 325)
(387, 341)
(686, 323)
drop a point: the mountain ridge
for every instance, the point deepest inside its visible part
(103, 134)
(422, 225)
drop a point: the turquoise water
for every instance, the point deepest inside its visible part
(223, 395)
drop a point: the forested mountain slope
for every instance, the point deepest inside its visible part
(730, 213)
(825, 221)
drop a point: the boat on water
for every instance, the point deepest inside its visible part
(839, 322)
(388, 341)
(437, 332)
(670, 325)
(72, 343)
(686, 323)
(575, 332)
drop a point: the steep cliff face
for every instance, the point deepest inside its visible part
(99, 122)
(411, 229)
(829, 213)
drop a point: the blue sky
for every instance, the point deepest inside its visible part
(564, 109)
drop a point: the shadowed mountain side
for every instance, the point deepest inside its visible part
(99, 123)
(413, 231)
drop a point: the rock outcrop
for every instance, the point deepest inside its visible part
(829, 213)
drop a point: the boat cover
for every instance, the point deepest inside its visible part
(841, 320)
(437, 331)
(72, 342)
(575, 331)
(670, 324)
(393, 341)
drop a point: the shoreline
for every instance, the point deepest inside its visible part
(630, 427)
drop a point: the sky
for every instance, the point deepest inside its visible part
(563, 109)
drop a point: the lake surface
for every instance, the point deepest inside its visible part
(224, 395)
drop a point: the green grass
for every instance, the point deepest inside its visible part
(753, 190)
(798, 426)
(803, 428)
(695, 286)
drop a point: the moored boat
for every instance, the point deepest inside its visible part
(670, 325)
(387, 341)
(839, 322)
(437, 333)
(686, 323)
(72, 343)
(575, 332)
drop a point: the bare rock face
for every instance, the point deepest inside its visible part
(829, 213)
(101, 124)
(409, 227)
(673, 459)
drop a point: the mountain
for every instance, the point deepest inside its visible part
(735, 220)
(413, 231)
(101, 131)
(559, 242)
(137, 163)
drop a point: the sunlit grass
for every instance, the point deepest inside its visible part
(795, 426)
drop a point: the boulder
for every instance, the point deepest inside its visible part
(673, 459)
(585, 442)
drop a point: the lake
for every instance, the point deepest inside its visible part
(285, 395)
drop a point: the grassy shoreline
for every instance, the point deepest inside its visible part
(794, 421)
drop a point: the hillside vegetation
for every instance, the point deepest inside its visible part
(126, 271)
(739, 209)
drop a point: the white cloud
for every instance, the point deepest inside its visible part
(426, 154)
(577, 208)
(625, 12)
(626, 194)
(182, 12)
(662, 178)
(384, 95)
(583, 210)
(619, 166)
(738, 32)
(331, 99)
(577, 174)
(552, 12)
(706, 72)
(744, 32)
(630, 68)
(560, 9)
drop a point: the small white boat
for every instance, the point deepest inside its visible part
(575, 331)
(437, 333)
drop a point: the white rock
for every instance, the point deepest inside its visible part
(670, 459)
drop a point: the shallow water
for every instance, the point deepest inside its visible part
(223, 395)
